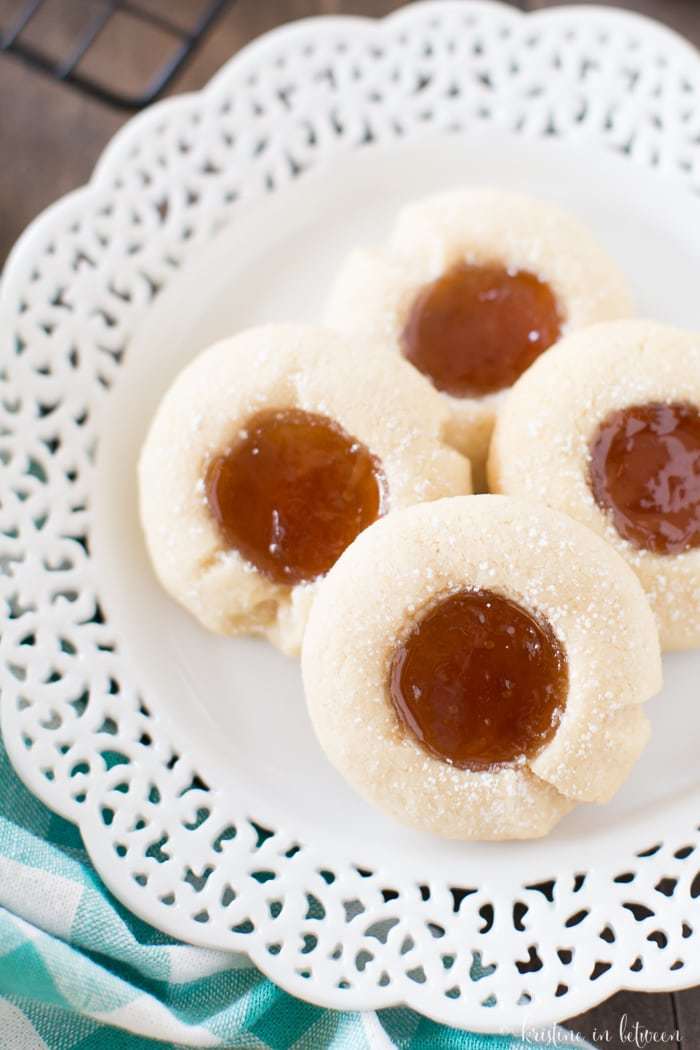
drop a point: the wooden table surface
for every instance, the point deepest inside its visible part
(50, 138)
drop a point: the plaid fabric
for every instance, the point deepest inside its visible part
(79, 972)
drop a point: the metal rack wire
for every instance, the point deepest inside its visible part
(67, 67)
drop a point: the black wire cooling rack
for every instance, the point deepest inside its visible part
(179, 42)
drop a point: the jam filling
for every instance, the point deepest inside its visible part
(479, 681)
(645, 472)
(293, 493)
(476, 329)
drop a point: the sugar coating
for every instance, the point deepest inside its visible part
(392, 410)
(553, 567)
(541, 443)
(375, 290)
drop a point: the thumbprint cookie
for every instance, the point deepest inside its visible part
(473, 286)
(606, 428)
(476, 667)
(268, 455)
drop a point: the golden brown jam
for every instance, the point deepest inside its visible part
(479, 681)
(293, 493)
(477, 328)
(645, 471)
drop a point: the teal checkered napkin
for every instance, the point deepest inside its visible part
(79, 972)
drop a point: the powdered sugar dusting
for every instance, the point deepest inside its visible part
(561, 401)
(562, 574)
(391, 410)
(375, 290)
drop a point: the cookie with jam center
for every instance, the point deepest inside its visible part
(606, 427)
(267, 457)
(472, 287)
(477, 666)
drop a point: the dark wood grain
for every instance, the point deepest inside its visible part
(687, 1007)
(682, 15)
(612, 1025)
(52, 135)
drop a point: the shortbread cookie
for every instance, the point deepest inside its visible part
(476, 666)
(267, 456)
(472, 287)
(607, 428)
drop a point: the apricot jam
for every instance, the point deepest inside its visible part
(479, 681)
(293, 493)
(476, 329)
(645, 471)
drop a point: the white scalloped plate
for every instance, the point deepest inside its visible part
(187, 760)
